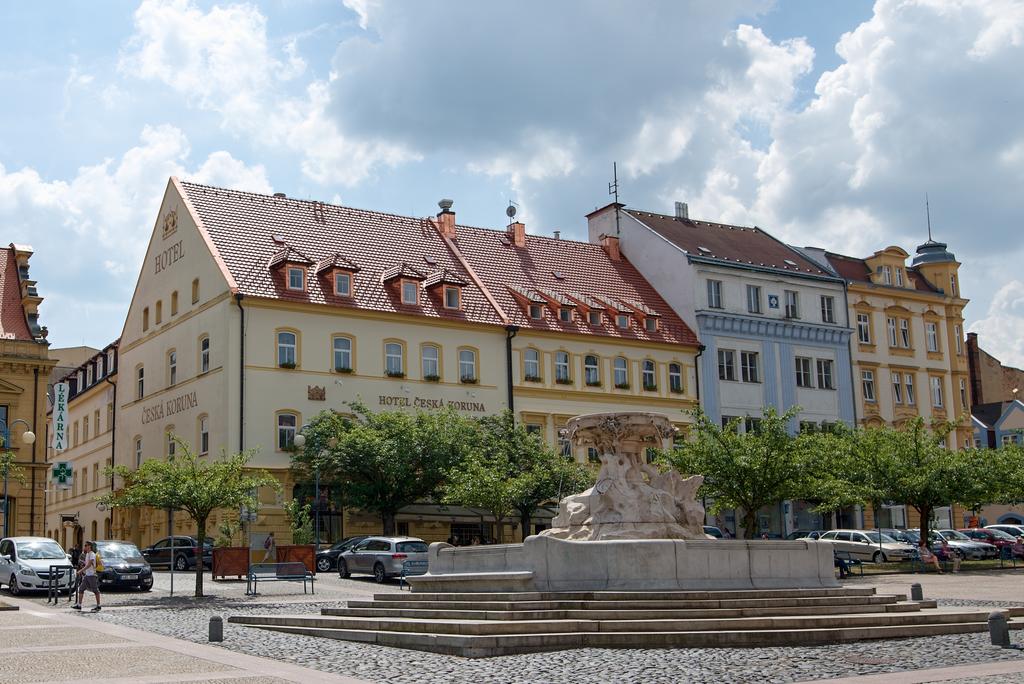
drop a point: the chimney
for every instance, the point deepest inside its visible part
(518, 232)
(446, 218)
(682, 210)
(610, 243)
(558, 235)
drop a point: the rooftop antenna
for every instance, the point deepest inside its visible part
(928, 214)
(511, 211)
(613, 189)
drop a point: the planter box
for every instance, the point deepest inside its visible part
(230, 561)
(295, 553)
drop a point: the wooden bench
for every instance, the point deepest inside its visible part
(850, 560)
(278, 572)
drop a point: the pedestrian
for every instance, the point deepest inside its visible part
(76, 555)
(269, 549)
(949, 554)
(90, 581)
(927, 557)
(1018, 547)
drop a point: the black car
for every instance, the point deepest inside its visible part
(327, 559)
(184, 550)
(123, 565)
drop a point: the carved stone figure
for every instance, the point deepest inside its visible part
(631, 499)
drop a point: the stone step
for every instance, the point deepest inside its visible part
(629, 595)
(599, 614)
(508, 627)
(614, 604)
(471, 646)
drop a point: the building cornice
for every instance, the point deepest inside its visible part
(786, 329)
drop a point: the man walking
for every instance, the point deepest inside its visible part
(90, 581)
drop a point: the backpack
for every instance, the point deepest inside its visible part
(99, 562)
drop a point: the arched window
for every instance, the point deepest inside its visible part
(621, 373)
(172, 368)
(591, 373)
(650, 375)
(287, 423)
(195, 290)
(159, 311)
(204, 354)
(145, 318)
(562, 367)
(174, 303)
(675, 378)
(467, 365)
(286, 349)
(140, 382)
(430, 361)
(342, 354)
(138, 452)
(394, 360)
(531, 365)
(171, 444)
(204, 435)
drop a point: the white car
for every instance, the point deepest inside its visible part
(25, 564)
(1015, 530)
(866, 545)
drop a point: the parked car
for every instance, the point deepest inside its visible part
(713, 531)
(327, 559)
(1015, 530)
(904, 536)
(868, 545)
(997, 538)
(123, 565)
(968, 548)
(805, 534)
(381, 557)
(25, 564)
(185, 551)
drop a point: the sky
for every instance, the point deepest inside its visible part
(825, 122)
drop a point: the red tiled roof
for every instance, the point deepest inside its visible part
(729, 244)
(856, 270)
(336, 261)
(13, 324)
(588, 275)
(243, 225)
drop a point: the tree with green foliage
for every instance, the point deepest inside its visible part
(299, 520)
(385, 460)
(198, 486)
(746, 471)
(510, 470)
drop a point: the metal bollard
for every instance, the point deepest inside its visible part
(998, 629)
(216, 628)
(916, 593)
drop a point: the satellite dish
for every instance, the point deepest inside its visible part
(511, 211)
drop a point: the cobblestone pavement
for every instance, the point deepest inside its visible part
(718, 666)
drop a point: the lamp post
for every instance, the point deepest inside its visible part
(300, 443)
(28, 437)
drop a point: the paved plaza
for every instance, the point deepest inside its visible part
(43, 643)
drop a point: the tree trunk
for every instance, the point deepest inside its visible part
(499, 529)
(201, 533)
(926, 513)
(750, 524)
(525, 522)
(388, 520)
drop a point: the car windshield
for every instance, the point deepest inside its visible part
(912, 536)
(873, 538)
(953, 534)
(119, 551)
(999, 534)
(40, 550)
(411, 547)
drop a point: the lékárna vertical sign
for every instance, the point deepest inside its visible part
(60, 416)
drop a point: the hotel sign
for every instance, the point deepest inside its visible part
(163, 409)
(60, 416)
(395, 401)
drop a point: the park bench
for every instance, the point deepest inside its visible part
(278, 572)
(412, 567)
(944, 562)
(850, 560)
(1006, 555)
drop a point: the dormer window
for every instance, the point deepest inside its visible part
(342, 284)
(565, 314)
(651, 325)
(410, 292)
(452, 297)
(622, 321)
(296, 278)
(899, 277)
(594, 318)
(536, 311)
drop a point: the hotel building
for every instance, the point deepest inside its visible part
(253, 313)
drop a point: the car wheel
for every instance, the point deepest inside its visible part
(15, 588)
(343, 569)
(379, 575)
(879, 557)
(181, 563)
(323, 564)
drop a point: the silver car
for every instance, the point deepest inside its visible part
(971, 549)
(864, 545)
(382, 557)
(25, 564)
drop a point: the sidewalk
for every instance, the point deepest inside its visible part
(53, 645)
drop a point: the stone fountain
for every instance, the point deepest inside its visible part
(637, 528)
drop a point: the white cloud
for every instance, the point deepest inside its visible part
(1001, 331)
(90, 231)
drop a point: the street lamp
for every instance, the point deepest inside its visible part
(300, 442)
(28, 437)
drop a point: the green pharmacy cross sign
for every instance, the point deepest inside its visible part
(62, 474)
